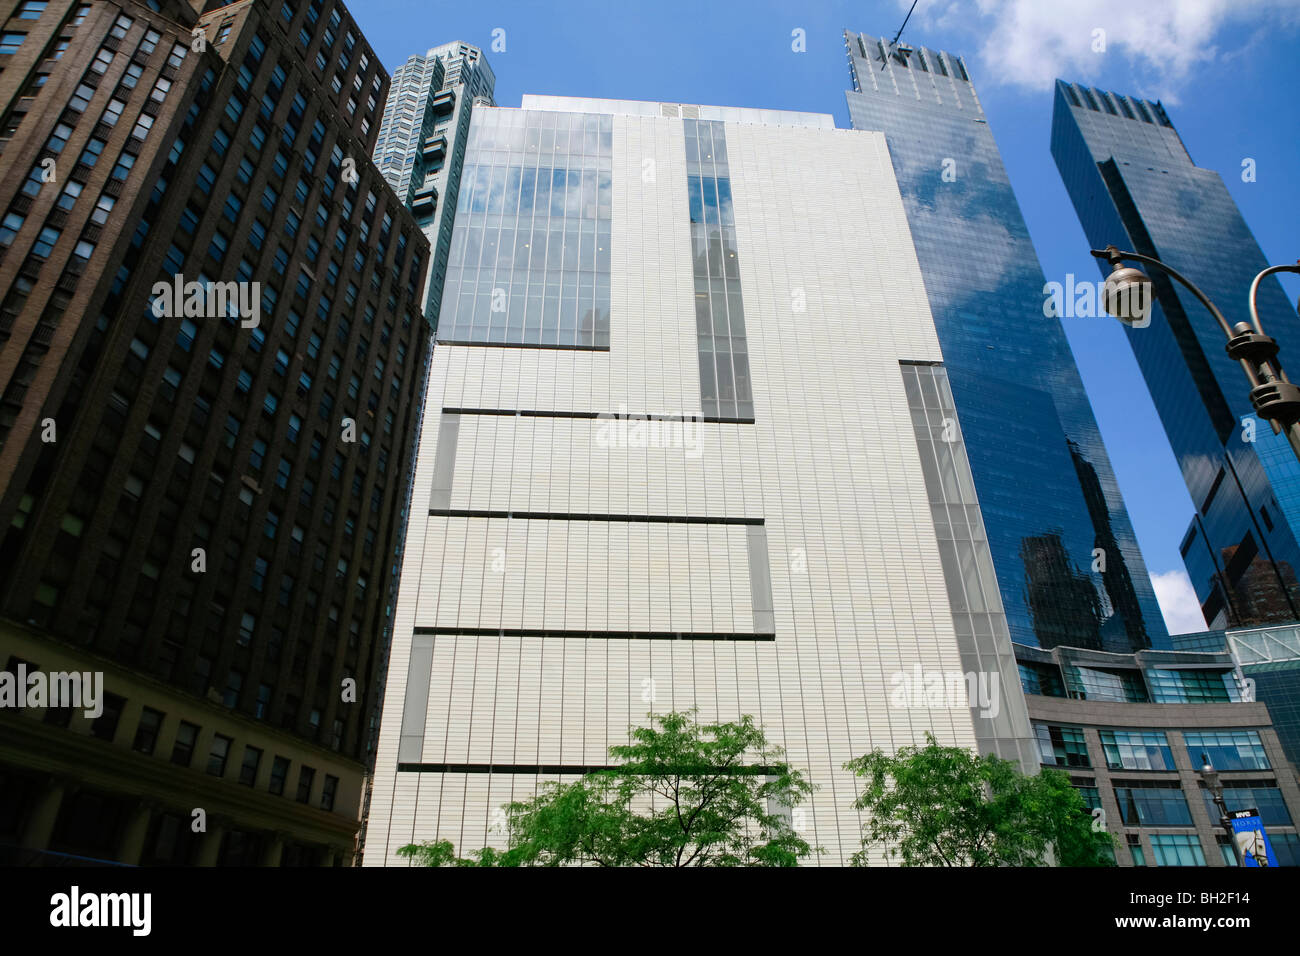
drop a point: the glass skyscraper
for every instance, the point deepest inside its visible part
(421, 142)
(1067, 562)
(1134, 185)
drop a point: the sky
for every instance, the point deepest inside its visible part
(1224, 69)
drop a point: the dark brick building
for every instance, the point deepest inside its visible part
(200, 502)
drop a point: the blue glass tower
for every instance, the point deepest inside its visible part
(1134, 185)
(1067, 562)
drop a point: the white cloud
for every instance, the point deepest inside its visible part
(1032, 42)
(1178, 602)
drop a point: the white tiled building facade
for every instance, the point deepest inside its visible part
(545, 605)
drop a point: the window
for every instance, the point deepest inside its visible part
(1062, 746)
(1135, 847)
(32, 10)
(262, 706)
(105, 725)
(1227, 749)
(306, 776)
(146, 732)
(81, 98)
(123, 167)
(1091, 683)
(103, 206)
(10, 41)
(113, 112)
(34, 181)
(44, 243)
(248, 769)
(142, 126)
(1262, 795)
(1192, 686)
(58, 138)
(328, 792)
(234, 684)
(187, 735)
(1286, 847)
(185, 338)
(1153, 805)
(217, 247)
(218, 754)
(1221, 839)
(1136, 750)
(90, 155)
(279, 772)
(9, 227)
(1177, 849)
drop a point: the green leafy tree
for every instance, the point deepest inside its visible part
(945, 806)
(683, 794)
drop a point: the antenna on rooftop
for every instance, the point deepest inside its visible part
(894, 48)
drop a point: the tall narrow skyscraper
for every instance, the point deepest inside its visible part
(672, 457)
(421, 143)
(1063, 547)
(1134, 185)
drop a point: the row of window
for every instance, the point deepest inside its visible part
(1126, 685)
(148, 730)
(1184, 849)
(1164, 805)
(1061, 746)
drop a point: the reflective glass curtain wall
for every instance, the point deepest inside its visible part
(1045, 485)
(530, 259)
(1134, 185)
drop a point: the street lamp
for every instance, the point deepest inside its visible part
(1127, 296)
(1215, 786)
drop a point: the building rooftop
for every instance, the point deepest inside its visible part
(727, 114)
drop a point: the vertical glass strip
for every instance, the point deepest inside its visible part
(1000, 716)
(415, 705)
(725, 384)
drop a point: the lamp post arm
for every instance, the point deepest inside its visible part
(1254, 291)
(1113, 254)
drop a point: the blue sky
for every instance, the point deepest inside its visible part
(1225, 70)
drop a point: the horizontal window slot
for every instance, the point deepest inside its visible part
(596, 635)
(525, 345)
(535, 413)
(564, 516)
(534, 768)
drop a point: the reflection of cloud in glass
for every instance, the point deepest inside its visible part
(1024, 413)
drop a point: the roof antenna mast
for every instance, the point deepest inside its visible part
(894, 48)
